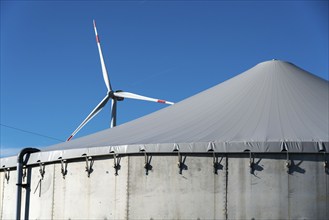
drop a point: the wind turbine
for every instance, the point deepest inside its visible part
(115, 96)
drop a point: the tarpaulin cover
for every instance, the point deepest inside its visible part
(271, 107)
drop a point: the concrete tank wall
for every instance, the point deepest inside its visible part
(192, 191)
(275, 192)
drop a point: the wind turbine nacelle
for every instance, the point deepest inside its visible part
(119, 98)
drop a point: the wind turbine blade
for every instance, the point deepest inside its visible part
(104, 71)
(139, 97)
(90, 116)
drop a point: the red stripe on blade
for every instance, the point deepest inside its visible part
(69, 138)
(97, 39)
(161, 101)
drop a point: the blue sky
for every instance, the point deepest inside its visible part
(51, 75)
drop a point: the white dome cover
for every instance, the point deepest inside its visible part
(271, 107)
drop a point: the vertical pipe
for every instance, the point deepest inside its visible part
(20, 164)
(28, 191)
(19, 190)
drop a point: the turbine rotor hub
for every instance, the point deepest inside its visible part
(112, 96)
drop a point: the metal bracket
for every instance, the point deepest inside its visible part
(89, 165)
(63, 168)
(180, 163)
(23, 185)
(215, 162)
(116, 165)
(42, 170)
(7, 174)
(24, 173)
(284, 148)
(251, 162)
(288, 162)
(325, 162)
(147, 164)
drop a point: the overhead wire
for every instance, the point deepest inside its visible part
(31, 132)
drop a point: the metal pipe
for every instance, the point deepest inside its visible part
(19, 184)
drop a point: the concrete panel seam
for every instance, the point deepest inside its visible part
(226, 187)
(2, 197)
(326, 172)
(53, 194)
(127, 188)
